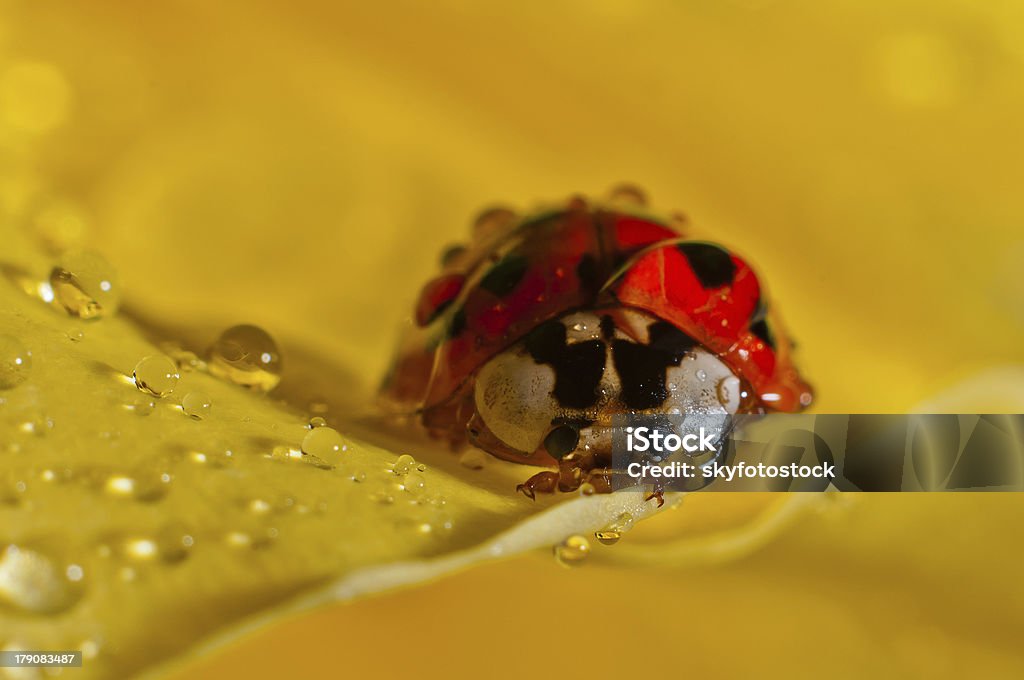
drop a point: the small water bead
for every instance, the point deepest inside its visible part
(246, 355)
(406, 464)
(141, 405)
(216, 454)
(75, 335)
(702, 375)
(15, 362)
(587, 489)
(258, 506)
(187, 361)
(493, 221)
(86, 285)
(156, 375)
(572, 551)
(317, 421)
(37, 424)
(33, 582)
(324, 442)
(285, 453)
(414, 482)
(628, 194)
(611, 534)
(196, 405)
(146, 487)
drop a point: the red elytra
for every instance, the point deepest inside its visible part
(583, 258)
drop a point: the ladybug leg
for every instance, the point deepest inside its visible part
(658, 494)
(544, 482)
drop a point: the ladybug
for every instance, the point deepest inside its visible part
(542, 328)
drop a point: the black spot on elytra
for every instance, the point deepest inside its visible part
(562, 440)
(457, 324)
(505, 275)
(607, 327)
(712, 265)
(642, 368)
(586, 270)
(578, 367)
(761, 330)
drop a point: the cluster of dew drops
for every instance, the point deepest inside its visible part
(86, 286)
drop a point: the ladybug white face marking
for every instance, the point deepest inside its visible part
(582, 368)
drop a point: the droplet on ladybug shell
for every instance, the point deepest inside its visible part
(628, 195)
(493, 221)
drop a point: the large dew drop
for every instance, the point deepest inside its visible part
(86, 285)
(15, 362)
(324, 442)
(156, 375)
(196, 405)
(246, 355)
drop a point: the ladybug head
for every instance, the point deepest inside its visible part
(557, 389)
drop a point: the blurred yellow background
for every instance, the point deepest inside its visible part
(298, 165)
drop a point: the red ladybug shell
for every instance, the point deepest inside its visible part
(579, 258)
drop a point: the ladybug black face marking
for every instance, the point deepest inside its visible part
(642, 368)
(712, 265)
(578, 367)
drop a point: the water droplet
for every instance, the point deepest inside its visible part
(611, 534)
(33, 582)
(493, 221)
(37, 424)
(587, 489)
(572, 551)
(404, 464)
(217, 454)
(414, 482)
(579, 326)
(187, 361)
(86, 285)
(251, 538)
(146, 487)
(317, 421)
(75, 335)
(15, 362)
(156, 375)
(141, 405)
(246, 355)
(702, 375)
(288, 454)
(474, 459)
(628, 194)
(324, 442)
(196, 405)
